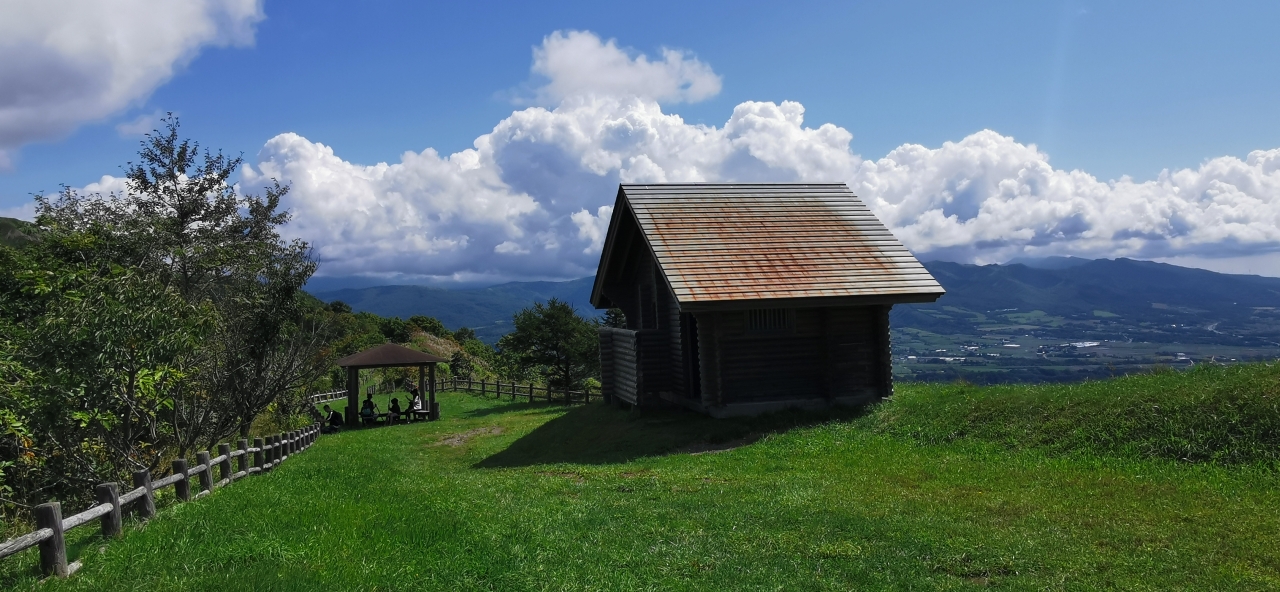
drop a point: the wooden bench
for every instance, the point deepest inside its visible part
(408, 415)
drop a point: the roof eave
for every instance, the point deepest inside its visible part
(812, 302)
(597, 288)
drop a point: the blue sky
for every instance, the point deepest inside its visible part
(1103, 89)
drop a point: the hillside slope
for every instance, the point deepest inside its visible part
(14, 232)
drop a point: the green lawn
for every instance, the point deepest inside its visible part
(501, 496)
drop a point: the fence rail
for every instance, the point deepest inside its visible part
(516, 391)
(328, 397)
(51, 527)
(497, 388)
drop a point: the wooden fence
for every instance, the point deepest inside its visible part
(529, 392)
(267, 454)
(522, 391)
(328, 397)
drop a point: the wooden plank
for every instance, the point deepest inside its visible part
(24, 542)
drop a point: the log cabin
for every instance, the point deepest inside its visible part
(743, 299)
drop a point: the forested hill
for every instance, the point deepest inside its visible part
(487, 310)
(1076, 298)
(1106, 298)
(14, 232)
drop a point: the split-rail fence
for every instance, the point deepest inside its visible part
(51, 527)
(497, 388)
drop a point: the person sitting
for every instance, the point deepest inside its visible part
(415, 402)
(415, 406)
(393, 410)
(369, 411)
(335, 421)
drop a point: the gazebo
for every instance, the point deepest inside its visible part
(390, 355)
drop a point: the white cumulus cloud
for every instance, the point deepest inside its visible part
(66, 62)
(533, 196)
(541, 185)
(578, 62)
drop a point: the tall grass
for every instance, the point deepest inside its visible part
(1226, 415)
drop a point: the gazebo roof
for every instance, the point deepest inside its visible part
(388, 355)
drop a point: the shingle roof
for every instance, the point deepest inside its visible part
(731, 242)
(388, 355)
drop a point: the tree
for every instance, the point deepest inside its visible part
(463, 335)
(554, 341)
(460, 365)
(105, 352)
(394, 329)
(429, 325)
(614, 318)
(182, 222)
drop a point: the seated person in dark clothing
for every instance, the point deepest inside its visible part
(393, 410)
(369, 411)
(335, 421)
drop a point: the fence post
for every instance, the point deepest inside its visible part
(484, 383)
(181, 488)
(548, 393)
(146, 507)
(224, 467)
(242, 462)
(109, 493)
(53, 550)
(455, 381)
(257, 456)
(206, 475)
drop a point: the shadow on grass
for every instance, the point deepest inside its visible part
(604, 434)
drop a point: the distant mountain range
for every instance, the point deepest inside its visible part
(1103, 298)
(1066, 296)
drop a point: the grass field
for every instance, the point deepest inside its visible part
(501, 496)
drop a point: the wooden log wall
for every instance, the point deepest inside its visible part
(838, 352)
(51, 527)
(626, 376)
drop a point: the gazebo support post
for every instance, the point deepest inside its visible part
(434, 407)
(353, 395)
